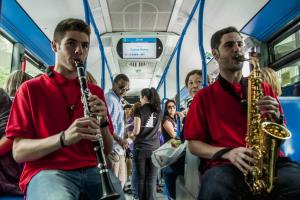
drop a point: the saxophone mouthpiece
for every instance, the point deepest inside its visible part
(240, 58)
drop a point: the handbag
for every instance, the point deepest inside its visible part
(167, 154)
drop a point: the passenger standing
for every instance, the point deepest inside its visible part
(134, 178)
(216, 127)
(51, 134)
(128, 130)
(113, 98)
(147, 120)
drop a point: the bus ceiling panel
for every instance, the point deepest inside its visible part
(22, 28)
(271, 18)
(46, 14)
(140, 15)
(100, 11)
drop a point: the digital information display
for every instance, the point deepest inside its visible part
(139, 47)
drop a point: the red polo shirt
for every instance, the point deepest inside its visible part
(41, 109)
(217, 118)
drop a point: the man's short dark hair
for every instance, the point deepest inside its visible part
(70, 24)
(215, 40)
(121, 77)
(195, 71)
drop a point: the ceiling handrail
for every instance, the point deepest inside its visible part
(90, 18)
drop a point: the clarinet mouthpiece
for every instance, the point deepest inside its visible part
(78, 62)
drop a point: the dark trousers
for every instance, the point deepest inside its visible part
(171, 173)
(146, 175)
(226, 182)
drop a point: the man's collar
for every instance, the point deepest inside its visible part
(60, 79)
(113, 92)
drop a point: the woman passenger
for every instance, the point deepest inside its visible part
(14, 81)
(169, 123)
(10, 171)
(147, 120)
(193, 82)
(270, 77)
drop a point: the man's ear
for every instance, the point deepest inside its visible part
(215, 53)
(54, 46)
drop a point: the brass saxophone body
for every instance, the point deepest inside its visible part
(108, 192)
(263, 137)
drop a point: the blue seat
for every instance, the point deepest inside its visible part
(291, 107)
(11, 198)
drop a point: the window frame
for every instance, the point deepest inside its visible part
(287, 31)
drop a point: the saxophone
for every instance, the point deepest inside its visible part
(263, 137)
(108, 192)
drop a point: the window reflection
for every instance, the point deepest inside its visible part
(6, 49)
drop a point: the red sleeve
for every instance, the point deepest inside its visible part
(196, 127)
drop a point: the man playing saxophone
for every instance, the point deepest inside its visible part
(51, 134)
(216, 127)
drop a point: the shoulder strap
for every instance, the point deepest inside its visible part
(228, 88)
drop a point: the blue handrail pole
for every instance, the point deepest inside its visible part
(178, 66)
(163, 104)
(97, 33)
(103, 72)
(103, 57)
(200, 40)
(174, 51)
(165, 96)
(86, 12)
(165, 89)
(109, 71)
(163, 77)
(178, 88)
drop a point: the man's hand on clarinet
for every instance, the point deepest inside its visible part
(82, 128)
(98, 106)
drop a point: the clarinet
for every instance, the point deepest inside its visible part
(108, 192)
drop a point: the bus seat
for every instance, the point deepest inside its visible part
(296, 90)
(187, 186)
(291, 107)
(11, 197)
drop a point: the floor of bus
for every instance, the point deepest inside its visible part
(159, 196)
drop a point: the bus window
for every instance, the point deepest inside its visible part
(287, 45)
(6, 48)
(33, 66)
(289, 74)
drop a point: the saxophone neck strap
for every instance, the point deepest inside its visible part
(228, 88)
